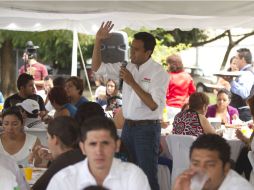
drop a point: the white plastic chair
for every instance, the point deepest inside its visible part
(179, 147)
(164, 177)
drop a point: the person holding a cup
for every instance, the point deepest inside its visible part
(210, 167)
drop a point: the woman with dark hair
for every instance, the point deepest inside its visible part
(180, 86)
(60, 101)
(14, 141)
(114, 98)
(63, 133)
(74, 87)
(222, 109)
(233, 64)
(193, 121)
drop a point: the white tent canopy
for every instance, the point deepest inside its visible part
(86, 16)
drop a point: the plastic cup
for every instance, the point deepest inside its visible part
(28, 172)
(198, 180)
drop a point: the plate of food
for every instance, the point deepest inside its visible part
(228, 74)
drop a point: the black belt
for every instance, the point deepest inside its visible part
(141, 122)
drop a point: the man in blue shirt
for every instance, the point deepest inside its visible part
(241, 87)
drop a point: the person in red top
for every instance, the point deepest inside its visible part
(180, 86)
(32, 67)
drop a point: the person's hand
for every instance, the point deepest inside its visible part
(164, 124)
(46, 119)
(235, 117)
(126, 76)
(104, 30)
(183, 181)
(43, 152)
(240, 135)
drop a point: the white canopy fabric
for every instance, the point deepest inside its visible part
(86, 16)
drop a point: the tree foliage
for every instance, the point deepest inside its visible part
(170, 42)
(55, 45)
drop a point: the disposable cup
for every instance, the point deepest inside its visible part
(198, 180)
(28, 172)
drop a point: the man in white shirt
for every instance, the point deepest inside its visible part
(99, 142)
(15, 176)
(143, 97)
(210, 155)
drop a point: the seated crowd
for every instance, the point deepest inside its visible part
(82, 142)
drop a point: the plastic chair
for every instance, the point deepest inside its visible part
(179, 147)
(164, 177)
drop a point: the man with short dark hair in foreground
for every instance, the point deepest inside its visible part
(99, 142)
(210, 155)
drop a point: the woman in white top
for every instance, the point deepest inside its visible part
(14, 141)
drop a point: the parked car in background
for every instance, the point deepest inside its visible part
(203, 82)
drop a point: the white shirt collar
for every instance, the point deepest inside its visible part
(85, 175)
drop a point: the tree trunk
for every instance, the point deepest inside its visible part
(232, 44)
(229, 48)
(8, 70)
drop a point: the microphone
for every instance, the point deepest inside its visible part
(124, 64)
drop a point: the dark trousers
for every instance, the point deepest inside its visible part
(143, 143)
(242, 164)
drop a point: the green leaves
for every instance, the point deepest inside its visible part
(55, 45)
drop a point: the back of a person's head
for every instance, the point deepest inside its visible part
(246, 54)
(58, 95)
(213, 142)
(23, 80)
(66, 129)
(175, 62)
(59, 81)
(88, 110)
(77, 82)
(197, 100)
(96, 124)
(148, 40)
(95, 187)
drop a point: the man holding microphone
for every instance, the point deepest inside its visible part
(144, 90)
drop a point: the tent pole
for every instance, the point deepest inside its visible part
(84, 66)
(74, 63)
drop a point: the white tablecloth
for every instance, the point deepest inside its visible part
(235, 144)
